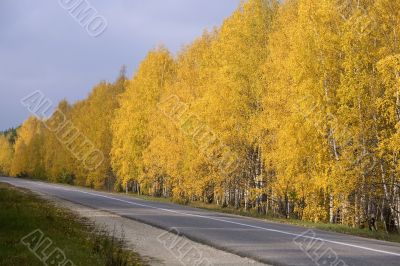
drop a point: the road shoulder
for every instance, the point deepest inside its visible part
(156, 246)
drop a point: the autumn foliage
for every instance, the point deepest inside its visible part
(300, 100)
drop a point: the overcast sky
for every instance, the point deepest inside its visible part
(42, 47)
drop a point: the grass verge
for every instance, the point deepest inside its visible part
(22, 212)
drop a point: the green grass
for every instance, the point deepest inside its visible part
(21, 212)
(339, 228)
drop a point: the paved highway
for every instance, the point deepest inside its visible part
(268, 242)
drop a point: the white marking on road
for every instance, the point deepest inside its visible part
(223, 220)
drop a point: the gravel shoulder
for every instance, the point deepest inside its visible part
(156, 246)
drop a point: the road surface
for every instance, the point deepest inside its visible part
(268, 242)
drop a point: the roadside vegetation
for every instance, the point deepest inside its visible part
(22, 212)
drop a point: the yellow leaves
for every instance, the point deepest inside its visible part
(136, 122)
(389, 68)
(27, 159)
(306, 82)
(6, 155)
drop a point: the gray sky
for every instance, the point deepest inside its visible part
(42, 47)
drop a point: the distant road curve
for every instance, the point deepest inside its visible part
(268, 242)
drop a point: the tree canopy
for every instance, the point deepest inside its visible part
(292, 109)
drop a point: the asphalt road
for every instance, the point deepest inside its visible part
(268, 242)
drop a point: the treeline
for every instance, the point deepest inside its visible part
(291, 109)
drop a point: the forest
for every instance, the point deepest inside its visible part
(291, 109)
